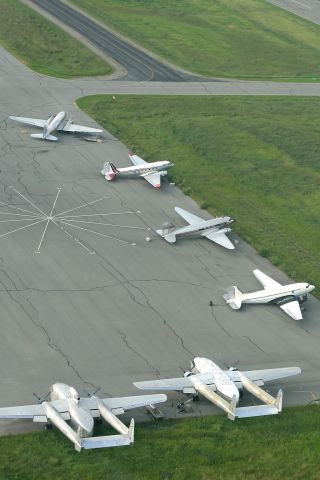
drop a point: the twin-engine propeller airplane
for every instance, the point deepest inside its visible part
(54, 122)
(66, 404)
(214, 229)
(222, 387)
(152, 171)
(287, 297)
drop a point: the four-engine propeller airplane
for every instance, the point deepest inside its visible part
(287, 297)
(222, 387)
(152, 171)
(214, 229)
(66, 405)
(55, 122)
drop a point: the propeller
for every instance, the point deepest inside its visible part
(92, 394)
(232, 367)
(41, 399)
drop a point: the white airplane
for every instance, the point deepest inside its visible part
(66, 405)
(288, 297)
(222, 387)
(214, 229)
(54, 122)
(152, 171)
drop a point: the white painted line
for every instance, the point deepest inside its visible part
(80, 206)
(100, 223)
(21, 219)
(74, 238)
(302, 4)
(21, 228)
(91, 215)
(43, 234)
(55, 201)
(17, 208)
(97, 233)
(29, 201)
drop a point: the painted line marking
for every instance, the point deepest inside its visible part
(302, 4)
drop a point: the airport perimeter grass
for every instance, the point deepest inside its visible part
(248, 39)
(207, 448)
(253, 158)
(43, 46)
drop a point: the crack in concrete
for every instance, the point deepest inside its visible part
(130, 347)
(51, 344)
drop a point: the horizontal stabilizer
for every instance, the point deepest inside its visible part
(233, 297)
(47, 137)
(105, 441)
(256, 411)
(109, 440)
(169, 237)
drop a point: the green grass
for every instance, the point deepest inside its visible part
(253, 158)
(43, 46)
(248, 39)
(207, 448)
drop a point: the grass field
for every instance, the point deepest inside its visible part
(253, 158)
(248, 39)
(43, 46)
(207, 448)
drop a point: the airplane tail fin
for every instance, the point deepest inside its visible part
(42, 137)
(131, 431)
(109, 171)
(278, 402)
(233, 297)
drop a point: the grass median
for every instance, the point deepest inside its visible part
(253, 158)
(273, 448)
(247, 39)
(43, 46)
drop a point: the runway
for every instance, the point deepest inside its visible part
(139, 64)
(95, 311)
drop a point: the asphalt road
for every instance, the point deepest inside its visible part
(140, 65)
(92, 311)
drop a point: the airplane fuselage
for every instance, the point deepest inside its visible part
(79, 416)
(139, 170)
(199, 228)
(54, 123)
(222, 382)
(272, 294)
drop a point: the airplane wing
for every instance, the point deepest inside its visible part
(265, 280)
(31, 411)
(72, 127)
(153, 178)
(188, 217)
(292, 309)
(176, 384)
(259, 377)
(220, 238)
(36, 122)
(136, 160)
(136, 401)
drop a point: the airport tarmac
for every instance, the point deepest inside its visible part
(95, 311)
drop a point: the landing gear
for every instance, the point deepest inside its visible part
(48, 426)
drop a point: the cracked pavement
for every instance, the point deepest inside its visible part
(129, 312)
